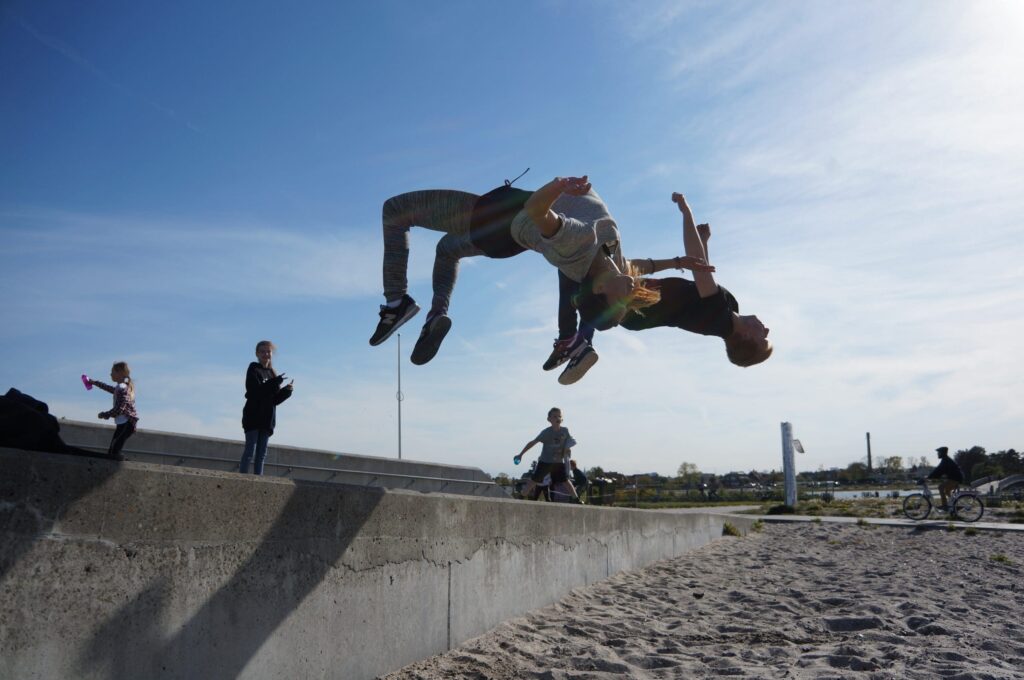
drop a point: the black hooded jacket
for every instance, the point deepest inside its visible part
(263, 392)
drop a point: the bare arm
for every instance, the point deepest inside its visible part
(538, 206)
(694, 246)
(529, 445)
(704, 231)
(649, 265)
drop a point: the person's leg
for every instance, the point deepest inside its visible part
(560, 484)
(566, 323)
(532, 490)
(439, 210)
(250, 449)
(946, 487)
(450, 249)
(567, 288)
(121, 434)
(262, 439)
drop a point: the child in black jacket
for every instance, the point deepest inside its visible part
(263, 392)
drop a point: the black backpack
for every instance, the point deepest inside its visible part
(26, 423)
(490, 227)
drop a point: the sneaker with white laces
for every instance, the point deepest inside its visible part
(582, 359)
(391, 319)
(430, 339)
(560, 354)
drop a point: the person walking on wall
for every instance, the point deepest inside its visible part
(124, 414)
(263, 392)
(557, 447)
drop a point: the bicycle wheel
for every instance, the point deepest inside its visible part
(968, 507)
(916, 506)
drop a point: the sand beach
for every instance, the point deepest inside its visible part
(814, 600)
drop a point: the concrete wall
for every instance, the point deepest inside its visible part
(211, 453)
(135, 570)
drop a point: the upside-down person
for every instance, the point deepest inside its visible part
(565, 221)
(700, 306)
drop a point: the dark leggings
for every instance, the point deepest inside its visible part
(121, 434)
(567, 327)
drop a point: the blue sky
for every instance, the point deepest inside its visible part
(178, 181)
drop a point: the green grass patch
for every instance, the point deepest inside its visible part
(729, 529)
(780, 510)
(1001, 558)
(758, 526)
(864, 524)
(970, 531)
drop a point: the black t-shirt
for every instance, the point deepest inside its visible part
(490, 226)
(681, 306)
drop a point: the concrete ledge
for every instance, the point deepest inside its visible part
(211, 453)
(148, 571)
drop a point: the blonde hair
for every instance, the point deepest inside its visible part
(642, 295)
(273, 348)
(122, 366)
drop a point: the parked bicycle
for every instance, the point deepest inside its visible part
(964, 504)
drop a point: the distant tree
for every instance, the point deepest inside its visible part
(688, 473)
(968, 458)
(1009, 460)
(854, 472)
(595, 472)
(892, 464)
(986, 468)
(502, 479)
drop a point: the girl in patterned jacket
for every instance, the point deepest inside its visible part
(124, 414)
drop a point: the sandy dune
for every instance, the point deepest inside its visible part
(794, 601)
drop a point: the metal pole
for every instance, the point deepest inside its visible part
(869, 450)
(399, 396)
(788, 465)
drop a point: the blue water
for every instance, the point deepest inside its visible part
(882, 493)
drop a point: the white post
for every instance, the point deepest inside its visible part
(399, 396)
(788, 465)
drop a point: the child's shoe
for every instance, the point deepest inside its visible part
(560, 354)
(581, 360)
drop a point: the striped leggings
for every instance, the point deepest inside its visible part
(440, 210)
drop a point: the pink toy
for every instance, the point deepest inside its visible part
(85, 381)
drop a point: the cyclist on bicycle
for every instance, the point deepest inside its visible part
(949, 474)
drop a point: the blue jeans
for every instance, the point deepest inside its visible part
(255, 444)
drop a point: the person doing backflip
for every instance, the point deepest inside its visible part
(565, 221)
(557, 444)
(948, 473)
(700, 306)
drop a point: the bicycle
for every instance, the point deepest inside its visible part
(964, 504)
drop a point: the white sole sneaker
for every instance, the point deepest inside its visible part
(578, 367)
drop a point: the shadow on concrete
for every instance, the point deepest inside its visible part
(309, 536)
(36, 496)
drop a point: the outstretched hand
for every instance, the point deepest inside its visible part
(696, 264)
(574, 186)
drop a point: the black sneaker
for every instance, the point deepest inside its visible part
(583, 357)
(392, 318)
(430, 340)
(560, 354)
